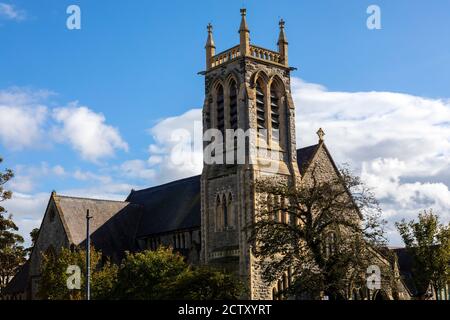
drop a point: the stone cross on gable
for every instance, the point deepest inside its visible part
(321, 135)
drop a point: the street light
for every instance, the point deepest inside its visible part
(88, 257)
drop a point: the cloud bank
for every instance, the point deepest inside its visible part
(28, 122)
(87, 132)
(398, 143)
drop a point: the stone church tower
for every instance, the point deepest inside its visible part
(247, 89)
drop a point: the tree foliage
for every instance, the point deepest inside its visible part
(164, 275)
(147, 275)
(323, 232)
(205, 284)
(54, 276)
(12, 253)
(428, 241)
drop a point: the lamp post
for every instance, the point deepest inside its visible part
(88, 257)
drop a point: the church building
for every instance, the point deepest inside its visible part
(203, 217)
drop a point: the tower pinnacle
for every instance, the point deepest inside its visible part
(210, 46)
(283, 44)
(244, 34)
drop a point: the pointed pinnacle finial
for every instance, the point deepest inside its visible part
(282, 37)
(321, 135)
(243, 26)
(210, 40)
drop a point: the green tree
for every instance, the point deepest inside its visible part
(12, 253)
(53, 282)
(145, 275)
(324, 233)
(205, 284)
(428, 241)
(164, 275)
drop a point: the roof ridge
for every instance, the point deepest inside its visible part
(85, 198)
(166, 184)
(313, 145)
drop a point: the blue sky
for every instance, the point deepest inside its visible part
(134, 64)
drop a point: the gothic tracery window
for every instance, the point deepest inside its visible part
(230, 211)
(220, 109)
(274, 111)
(225, 216)
(225, 213)
(219, 214)
(233, 106)
(260, 107)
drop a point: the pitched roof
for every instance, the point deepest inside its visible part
(73, 213)
(169, 207)
(405, 264)
(176, 205)
(112, 227)
(116, 224)
(304, 157)
(19, 282)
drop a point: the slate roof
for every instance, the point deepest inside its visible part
(169, 207)
(405, 263)
(304, 157)
(112, 227)
(176, 205)
(19, 282)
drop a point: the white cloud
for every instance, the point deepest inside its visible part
(400, 142)
(28, 211)
(87, 132)
(22, 118)
(177, 151)
(137, 169)
(26, 178)
(25, 123)
(58, 170)
(10, 12)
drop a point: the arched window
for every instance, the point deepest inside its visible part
(230, 211)
(280, 289)
(219, 214)
(270, 207)
(285, 282)
(233, 105)
(207, 114)
(220, 109)
(275, 111)
(330, 244)
(260, 107)
(281, 212)
(225, 213)
(290, 277)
